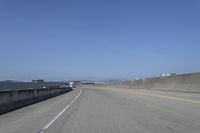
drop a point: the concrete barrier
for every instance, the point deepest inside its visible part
(189, 83)
(14, 99)
(24, 85)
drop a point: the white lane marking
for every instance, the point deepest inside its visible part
(55, 118)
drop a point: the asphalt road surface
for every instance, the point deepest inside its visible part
(97, 110)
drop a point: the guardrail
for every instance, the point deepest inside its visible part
(14, 99)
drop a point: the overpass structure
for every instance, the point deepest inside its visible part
(155, 105)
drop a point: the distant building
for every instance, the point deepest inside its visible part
(164, 74)
(167, 74)
(38, 81)
(77, 82)
(138, 78)
(87, 82)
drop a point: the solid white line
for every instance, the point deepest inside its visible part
(55, 118)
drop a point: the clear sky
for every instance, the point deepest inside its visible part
(98, 39)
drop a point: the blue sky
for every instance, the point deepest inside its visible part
(98, 39)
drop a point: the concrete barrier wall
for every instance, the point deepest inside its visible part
(184, 83)
(25, 85)
(13, 99)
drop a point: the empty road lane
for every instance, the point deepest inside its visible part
(97, 110)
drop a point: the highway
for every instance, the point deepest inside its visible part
(108, 110)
